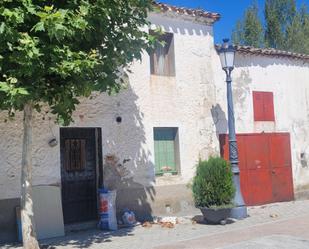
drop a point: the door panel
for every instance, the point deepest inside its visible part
(260, 187)
(78, 174)
(257, 150)
(280, 154)
(265, 166)
(282, 184)
(259, 177)
(281, 167)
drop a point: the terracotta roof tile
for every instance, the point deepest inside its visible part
(187, 11)
(271, 52)
(268, 52)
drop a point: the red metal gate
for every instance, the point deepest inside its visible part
(265, 166)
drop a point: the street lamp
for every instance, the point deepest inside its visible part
(227, 55)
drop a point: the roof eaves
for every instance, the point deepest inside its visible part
(270, 52)
(210, 17)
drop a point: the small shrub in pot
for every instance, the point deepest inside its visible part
(213, 186)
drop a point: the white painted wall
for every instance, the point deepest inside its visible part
(194, 101)
(150, 101)
(289, 81)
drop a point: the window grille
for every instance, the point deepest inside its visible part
(75, 154)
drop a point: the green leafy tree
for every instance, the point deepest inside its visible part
(279, 15)
(249, 30)
(238, 33)
(285, 27)
(53, 52)
(305, 22)
(297, 33)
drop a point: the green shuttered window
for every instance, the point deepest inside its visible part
(166, 150)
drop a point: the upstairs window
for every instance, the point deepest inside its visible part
(162, 60)
(166, 148)
(263, 106)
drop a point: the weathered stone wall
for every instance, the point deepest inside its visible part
(194, 101)
(289, 81)
(184, 101)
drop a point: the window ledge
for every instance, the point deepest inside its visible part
(162, 79)
(169, 180)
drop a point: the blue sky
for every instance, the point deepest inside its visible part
(230, 10)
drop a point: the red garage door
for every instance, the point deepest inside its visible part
(265, 166)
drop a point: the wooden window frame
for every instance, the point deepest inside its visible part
(176, 151)
(163, 55)
(263, 106)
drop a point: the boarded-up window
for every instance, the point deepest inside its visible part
(263, 106)
(75, 154)
(162, 60)
(166, 150)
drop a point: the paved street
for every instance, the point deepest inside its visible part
(272, 242)
(286, 233)
(279, 225)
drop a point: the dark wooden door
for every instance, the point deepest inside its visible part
(78, 174)
(265, 166)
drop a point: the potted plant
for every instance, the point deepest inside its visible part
(213, 189)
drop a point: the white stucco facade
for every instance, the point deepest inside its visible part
(150, 101)
(189, 101)
(289, 81)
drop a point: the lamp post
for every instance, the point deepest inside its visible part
(227, 55)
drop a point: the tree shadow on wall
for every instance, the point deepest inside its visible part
(130, 194)
(127, 167)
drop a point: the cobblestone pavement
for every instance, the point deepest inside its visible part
(262, 221)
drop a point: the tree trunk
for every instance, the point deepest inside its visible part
(27, 220)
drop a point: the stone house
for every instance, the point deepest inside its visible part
(145, 141)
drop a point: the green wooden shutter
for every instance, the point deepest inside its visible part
(164, 145)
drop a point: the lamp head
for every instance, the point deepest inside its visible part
(227, 55)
